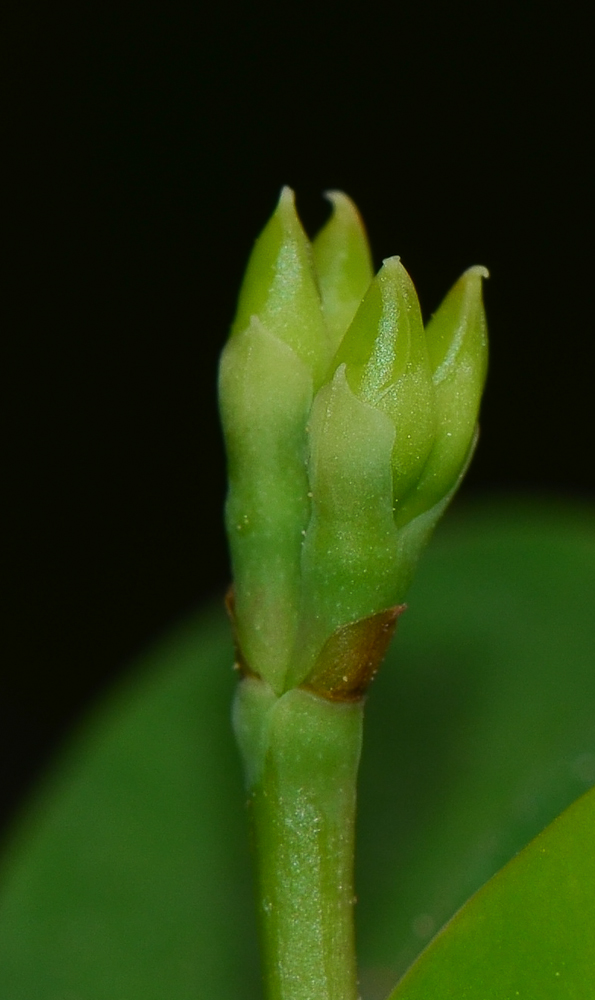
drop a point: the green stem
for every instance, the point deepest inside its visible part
(301, 754)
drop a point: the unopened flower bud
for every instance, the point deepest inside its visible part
(280, 288)
(458, 351)
(387, 366)
(348, 428)
(343, 265)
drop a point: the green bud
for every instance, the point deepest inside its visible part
(339, 467)
(280, 289)
(458, 351)
(343, 265)
(388, 367)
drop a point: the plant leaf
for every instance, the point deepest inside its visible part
(130, 877)
(529, 932)
(479, 731)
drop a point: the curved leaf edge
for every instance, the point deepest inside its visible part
(528, 932)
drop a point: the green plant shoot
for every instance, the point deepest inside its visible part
(348, 429)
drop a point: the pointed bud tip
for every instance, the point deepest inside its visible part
(346, 214)
(286, 214)
(470, 284)
(341, 202)
(478, 270)
(287, 195)
(336, 197)
(393, 263)
(394, 271)
(286, 204)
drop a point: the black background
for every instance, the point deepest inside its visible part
(147, 147)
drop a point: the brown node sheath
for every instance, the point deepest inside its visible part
(349, 660)
(351, 656)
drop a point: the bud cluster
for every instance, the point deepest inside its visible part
(348, 429)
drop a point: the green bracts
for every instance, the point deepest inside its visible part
(348, 428)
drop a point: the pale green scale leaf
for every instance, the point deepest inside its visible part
(350, 546)
(265, 395)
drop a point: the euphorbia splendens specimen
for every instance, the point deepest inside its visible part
(348, 429)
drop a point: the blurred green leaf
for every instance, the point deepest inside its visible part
(128, 877)
(528, 932)
(480, 730)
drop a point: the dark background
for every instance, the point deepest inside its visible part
(147, 147)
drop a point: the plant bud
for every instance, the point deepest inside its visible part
(280, 288)
(387, 366)
(277, 352)
(343, 265)
(348, 429)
